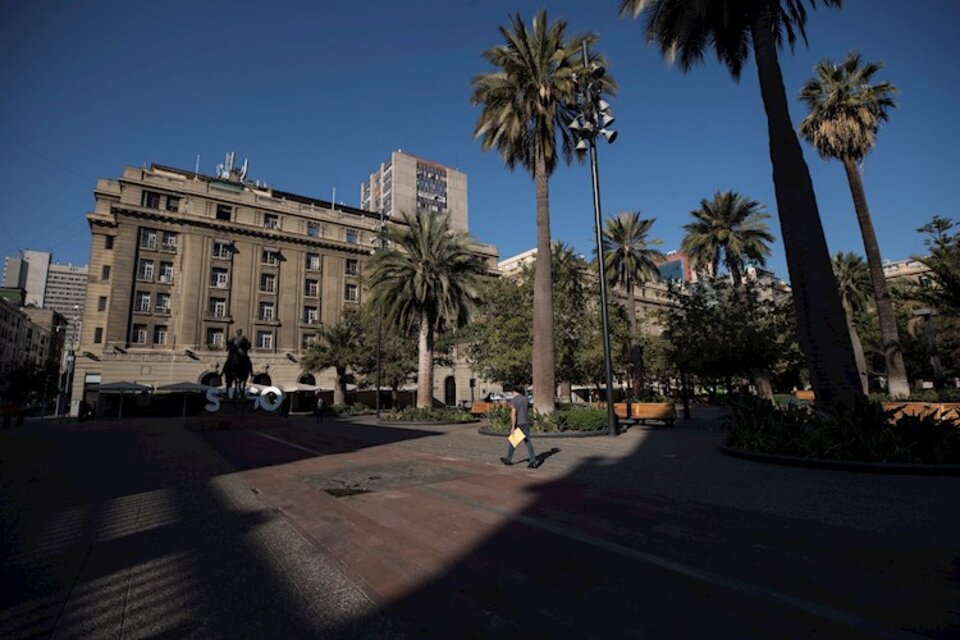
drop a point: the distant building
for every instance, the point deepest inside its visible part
(675, 268)
(408, 184)
(29, 336)
(907, 271)
(180, 260)
(49, 285)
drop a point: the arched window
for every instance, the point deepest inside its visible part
(211, 379)
(307, 378)
(262, 378)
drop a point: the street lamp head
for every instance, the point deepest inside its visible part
(575, 124)
(609, 135)
(596, 71)
(581, 145)
(606, 120)
(604, 105)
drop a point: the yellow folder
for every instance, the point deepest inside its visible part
(516, 437)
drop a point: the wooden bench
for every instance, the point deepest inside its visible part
(483, 408)
(944, 411)
(804, 395)
(643, 411)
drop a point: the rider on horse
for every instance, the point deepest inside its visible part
(238, 367)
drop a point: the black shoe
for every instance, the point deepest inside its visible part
(506, 462)
(534, 464)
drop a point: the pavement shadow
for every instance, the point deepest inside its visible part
(672, 539)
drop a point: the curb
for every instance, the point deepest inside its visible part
(389, 423)
(486, 431)
(899, 468)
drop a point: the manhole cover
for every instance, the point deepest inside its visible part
(351, 482)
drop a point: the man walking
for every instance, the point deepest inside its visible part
(318, 408)
(519, 419)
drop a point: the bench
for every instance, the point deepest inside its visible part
(642, 411)
(805, 395)
(483, 408)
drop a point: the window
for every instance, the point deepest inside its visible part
(217, 307)
(173, 203)
(308, 339)
(224, 212)
(264, 340)
(352, 267)
(98, 335)
(160, 334)
(350, 292)
(150, 200)
(108, 243)
(268, 283)
(145, 270)
(139, 334)
(219, 278)
(311, 288)
(310, 315)
(141, 301)
(353, 237)
(168, 241)
(102, 303)
(313, 262)
(105, 272)
(148, 239)
(163, 303)
(270, 256)
(222, 249)
(313, 229)
(166, 272)
(215, 338)
(271, 221)
(265, 311)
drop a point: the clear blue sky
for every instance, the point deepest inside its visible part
(317, 94)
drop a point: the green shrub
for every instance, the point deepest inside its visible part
(355, 409)
(429, 414)
(859, 432)
(566, 417)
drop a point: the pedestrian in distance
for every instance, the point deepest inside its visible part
(318, 408)
(520, 419)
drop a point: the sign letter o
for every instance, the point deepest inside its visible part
(271, 398)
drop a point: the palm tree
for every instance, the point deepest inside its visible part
(525, 107)
(630, 261)
(853, 281)
(729, 229)
(427, 280)
(684, 30)
(336, 346)
(845, 113)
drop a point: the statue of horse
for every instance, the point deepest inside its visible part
(238, 366)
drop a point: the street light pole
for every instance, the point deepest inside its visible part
(594, 115)
(379, 327)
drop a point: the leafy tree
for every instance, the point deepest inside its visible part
(336, 346)
(426, 279)
(684, 31)
(944, 265)
(499, 344)
(569, 306)
(853, 281)
(525, 105)
(845, 114)
(630, 261)
(590, 354)
(398, 354)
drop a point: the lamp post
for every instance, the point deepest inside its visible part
(939, 382)
(379, 328)
(593, 116)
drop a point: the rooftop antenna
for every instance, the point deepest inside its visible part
(196, 170)
(333, 200)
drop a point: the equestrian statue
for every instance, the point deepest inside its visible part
(238, 367)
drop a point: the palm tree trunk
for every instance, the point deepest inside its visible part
(543, 362)
(821, 326)
(897, 384)
(636, 365)
(763, 383)
(425, 363)
(340, 389)
(857, 348)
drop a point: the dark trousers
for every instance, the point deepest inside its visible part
(318, 413)
(525, 428)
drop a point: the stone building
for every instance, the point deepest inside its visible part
(49, 285)
(179, 261)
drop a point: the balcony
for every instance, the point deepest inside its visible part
(162, 311)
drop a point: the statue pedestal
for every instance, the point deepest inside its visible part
(237, 414)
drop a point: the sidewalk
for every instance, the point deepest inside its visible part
(351, 529)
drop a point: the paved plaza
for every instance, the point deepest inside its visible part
(147, 528)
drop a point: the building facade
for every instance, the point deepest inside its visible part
(49, 285)
(180, 261)
(408, 184)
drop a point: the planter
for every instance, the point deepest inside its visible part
(842, 465)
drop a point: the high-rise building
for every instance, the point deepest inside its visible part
(179, 261)
(408, 184)
(49, 285)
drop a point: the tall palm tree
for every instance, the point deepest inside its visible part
(730, 229)
(427, 280)
(684, 30)
(525, 108)
(631, 261)
(336, 346)
(853, 281)
(845, 113)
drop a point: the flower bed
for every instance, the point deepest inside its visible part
(864, 432)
